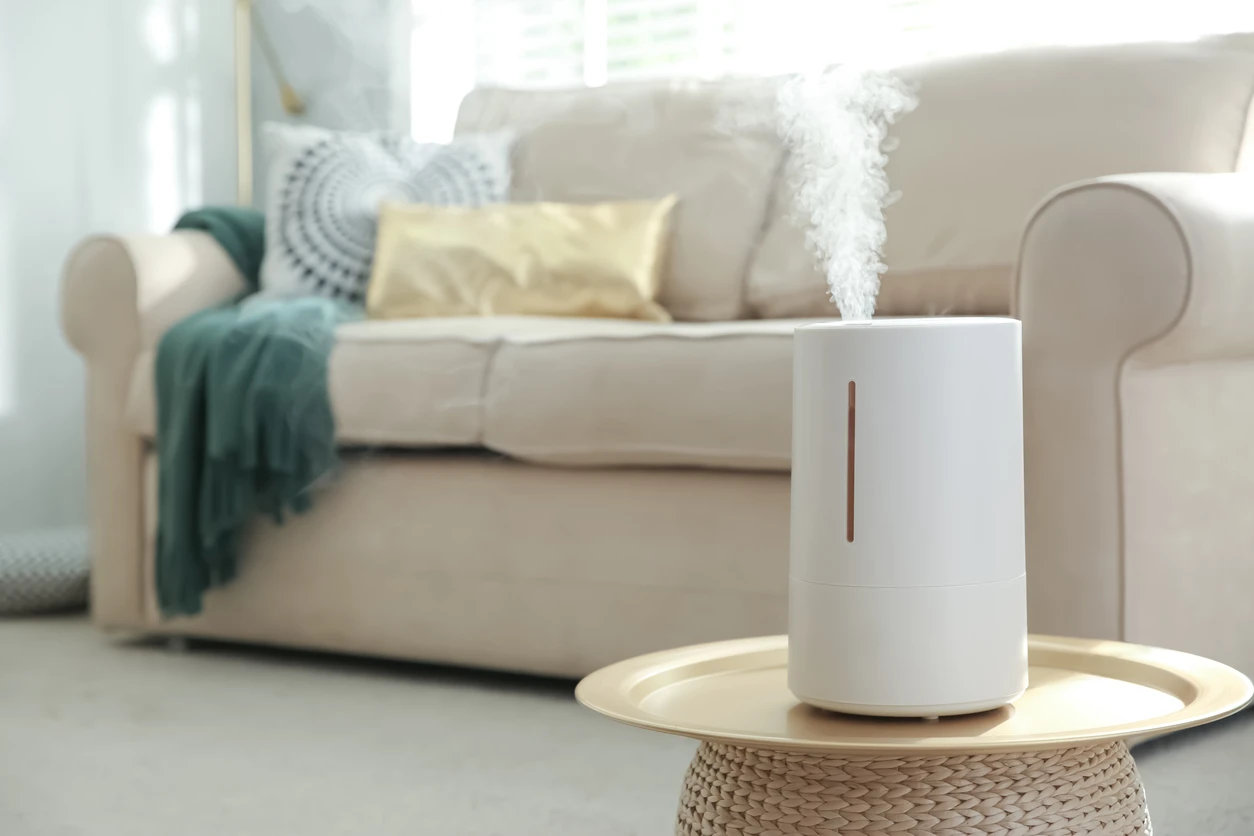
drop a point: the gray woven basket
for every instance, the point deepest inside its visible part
(43, 571)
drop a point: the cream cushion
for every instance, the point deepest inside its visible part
(995, 134)
(698, 394)
(637, 142)
(558, 390)
(402, 382)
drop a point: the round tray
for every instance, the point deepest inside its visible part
(1079, 691)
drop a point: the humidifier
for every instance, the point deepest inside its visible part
(907, 592)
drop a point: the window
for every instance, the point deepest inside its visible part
(458, 44)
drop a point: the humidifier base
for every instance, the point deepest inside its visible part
(908, 651)
(906, 711)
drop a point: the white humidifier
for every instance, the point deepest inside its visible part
(907, 588)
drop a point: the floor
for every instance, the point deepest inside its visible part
(101, 737)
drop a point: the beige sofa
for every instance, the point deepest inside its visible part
(550, 495)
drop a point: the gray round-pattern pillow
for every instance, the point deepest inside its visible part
(44, 571)
(325, 187)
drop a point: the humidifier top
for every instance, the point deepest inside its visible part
(911, 322)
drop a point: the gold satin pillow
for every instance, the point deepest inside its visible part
(545, 259)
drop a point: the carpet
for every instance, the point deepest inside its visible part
(105, 737)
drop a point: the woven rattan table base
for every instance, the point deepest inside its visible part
(1061, 792)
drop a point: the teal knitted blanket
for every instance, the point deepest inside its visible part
(244, 422)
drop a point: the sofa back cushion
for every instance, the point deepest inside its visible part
(647, 141)
(993, 135)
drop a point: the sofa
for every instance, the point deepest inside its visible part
(549, 495)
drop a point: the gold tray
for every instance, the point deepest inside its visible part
(1080, 691)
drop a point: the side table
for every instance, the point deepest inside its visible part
(1053, 764)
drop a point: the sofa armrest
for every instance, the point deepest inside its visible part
(1133, 291)
(118, 296)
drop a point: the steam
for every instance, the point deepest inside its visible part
(836, 125)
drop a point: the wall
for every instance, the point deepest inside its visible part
(114, 115)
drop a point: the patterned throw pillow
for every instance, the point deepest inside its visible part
(43, 571)
(324, 191)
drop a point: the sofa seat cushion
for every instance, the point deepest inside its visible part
(411, 382)
(559, 390)
(633, 393)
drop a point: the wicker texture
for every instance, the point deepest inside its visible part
(1062, 792)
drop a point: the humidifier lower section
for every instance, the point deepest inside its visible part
(908, 651)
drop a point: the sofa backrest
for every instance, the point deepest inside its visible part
(636, 141)
(993, 135)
